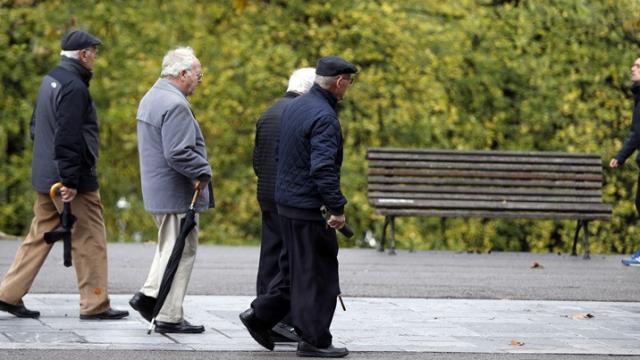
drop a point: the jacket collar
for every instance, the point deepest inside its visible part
(291, 94)
(328, 95)
(76, 67)
(167, 85)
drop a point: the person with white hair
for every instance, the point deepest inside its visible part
(266, 168)
(310, 153)
(173, 163)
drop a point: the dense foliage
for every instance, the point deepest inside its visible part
(460, 74)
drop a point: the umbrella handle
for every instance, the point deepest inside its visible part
(195, 194)
(53, 192)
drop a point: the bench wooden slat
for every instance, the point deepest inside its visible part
(475, 165)
(487, 205)
(489, 197)
(485, 190)
(497, 157)
(486, 174)
(490, 153)
(497, 214)
(484, 182)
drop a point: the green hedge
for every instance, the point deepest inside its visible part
(462, 74)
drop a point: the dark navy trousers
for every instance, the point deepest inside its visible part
(308, 285)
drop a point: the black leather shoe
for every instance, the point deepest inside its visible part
(110, 314)
(143, 304)
(183, 327)
(307, 350)
(283, 333)
(258, 330)
(19, 310)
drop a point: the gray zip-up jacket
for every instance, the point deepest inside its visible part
(172, 152)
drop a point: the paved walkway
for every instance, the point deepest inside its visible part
(368, 325)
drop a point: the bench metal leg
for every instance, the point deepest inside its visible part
(383, 239)
(575, 238)
(392, 245)
(587, 253)
(585, 240)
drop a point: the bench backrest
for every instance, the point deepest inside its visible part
(487, 184)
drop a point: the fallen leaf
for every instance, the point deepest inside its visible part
(515, 342)
(536, 265)
(581, 316)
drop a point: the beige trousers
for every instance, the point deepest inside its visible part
(88, 251)
(168, 230)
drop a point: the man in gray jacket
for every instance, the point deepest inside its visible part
(173, 162)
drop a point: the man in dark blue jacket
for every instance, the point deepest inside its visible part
(64, 129)
(631, 144)
(265, 167)
(309, 161)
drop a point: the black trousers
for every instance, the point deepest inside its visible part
(638, 196)
(272, 251)
(307, 287)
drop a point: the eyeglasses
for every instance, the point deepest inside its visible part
(199, 75)
(351, 79)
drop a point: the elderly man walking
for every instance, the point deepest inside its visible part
(309, 162)
(173, 162)
(64, 129)
(265, 166)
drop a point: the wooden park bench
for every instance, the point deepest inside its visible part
(486, 184)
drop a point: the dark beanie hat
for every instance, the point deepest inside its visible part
(78, 40)
(333, 65)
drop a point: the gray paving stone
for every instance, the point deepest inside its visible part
(43, 337)
(370, 324)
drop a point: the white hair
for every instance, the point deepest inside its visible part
(73, 54)
(301, 80)
(177, 60)
(326, 81)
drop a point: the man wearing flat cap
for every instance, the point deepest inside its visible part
(64, 130)
(309, 161)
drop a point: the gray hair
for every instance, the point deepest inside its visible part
(72, 54)
(177, 60)
(301, 80)
(326, 81)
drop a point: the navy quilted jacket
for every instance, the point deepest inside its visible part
(310, 153)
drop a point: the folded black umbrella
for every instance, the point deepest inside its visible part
(63, 230)
(186, 225)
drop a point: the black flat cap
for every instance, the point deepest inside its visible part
(333, 65)
(78, 40)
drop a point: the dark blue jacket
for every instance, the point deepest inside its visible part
(633, 141)
(310, 156)
(64, 129)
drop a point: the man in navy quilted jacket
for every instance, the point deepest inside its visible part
(309, 161)
(265, 167)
